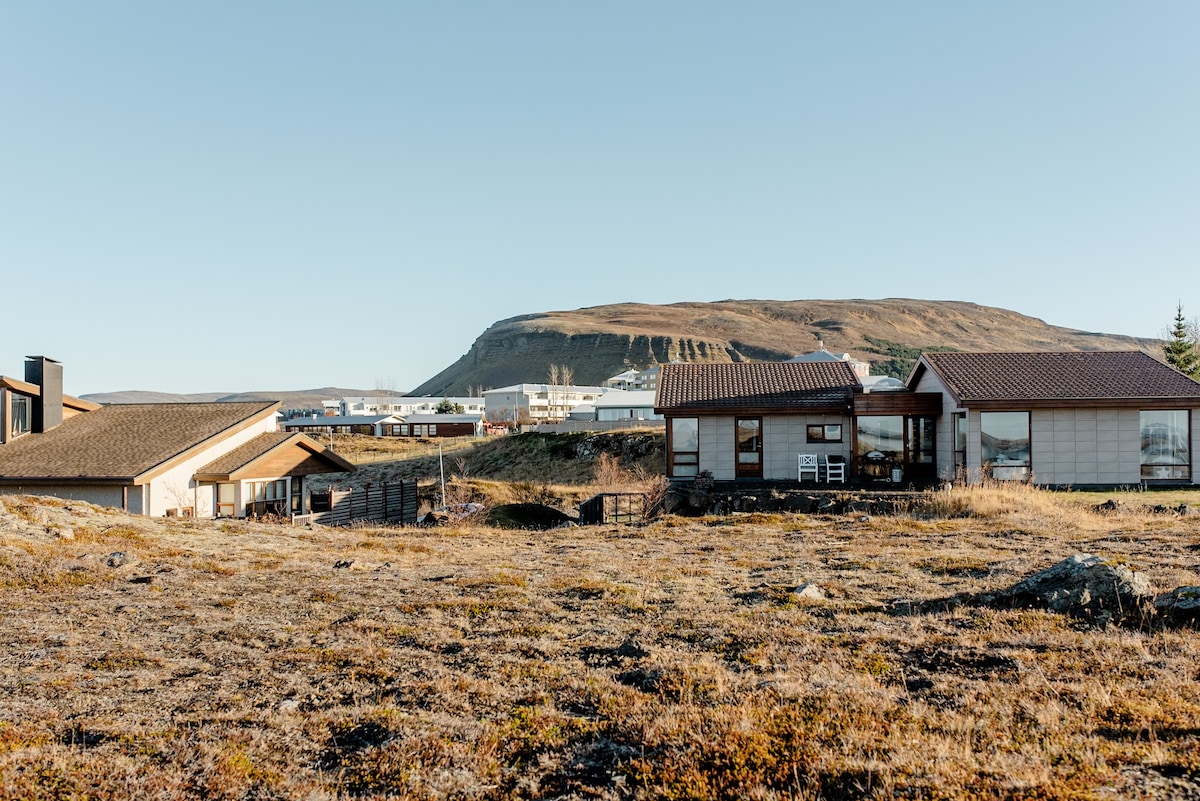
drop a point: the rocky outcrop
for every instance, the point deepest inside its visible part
(1084, 586)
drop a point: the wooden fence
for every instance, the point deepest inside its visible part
(385, 503)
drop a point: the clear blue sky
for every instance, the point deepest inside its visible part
(229, 196)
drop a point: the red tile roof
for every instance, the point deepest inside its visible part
(123, 441)
(1065, 376)
(755, 387)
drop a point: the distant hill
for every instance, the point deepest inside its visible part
(294, 399)
(602, 341)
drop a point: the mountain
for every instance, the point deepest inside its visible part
(601, 341)
(294, 399)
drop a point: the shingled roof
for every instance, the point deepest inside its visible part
(1078, 377)
(755, 387)
(123, 442)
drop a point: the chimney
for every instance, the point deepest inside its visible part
(48, 405)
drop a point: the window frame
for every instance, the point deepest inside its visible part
(683, 462)
(1172, 471)
(822, 431)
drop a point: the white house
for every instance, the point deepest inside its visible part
(620, 404)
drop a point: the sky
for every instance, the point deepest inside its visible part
(231, 196)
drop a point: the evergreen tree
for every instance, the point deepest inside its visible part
(1181, 349)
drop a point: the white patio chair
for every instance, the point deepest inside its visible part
(835, 469)
(808, 464)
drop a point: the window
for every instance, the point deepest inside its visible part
(433, 429)
(404, 430)
(830, 432)
(1166, 452)
(685, 446)
(20, 414)
(879, 446)
(960, 443)
(1004, 440)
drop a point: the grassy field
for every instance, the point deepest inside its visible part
(213, 659)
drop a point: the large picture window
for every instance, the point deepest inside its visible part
(685, 446)
(1004, 440)
(1166, 438)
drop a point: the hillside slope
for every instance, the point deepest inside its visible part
(601, 341)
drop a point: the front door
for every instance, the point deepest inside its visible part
(749, 447)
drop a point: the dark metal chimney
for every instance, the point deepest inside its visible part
(48, 405)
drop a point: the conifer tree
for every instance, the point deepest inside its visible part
(1181, 349)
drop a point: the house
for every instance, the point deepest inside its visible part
(1105, 418)
(535, 403)
(618, 405)
(635, 379)
(203, 459)
(375, 425)
(861, 369)
(1058, 419)
(750, 420)
(442, 425)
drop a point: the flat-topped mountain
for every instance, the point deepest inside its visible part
(602, 341)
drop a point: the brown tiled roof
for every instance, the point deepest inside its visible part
(1065, 376)
(123, 441)
(263, 444)
(755, 387)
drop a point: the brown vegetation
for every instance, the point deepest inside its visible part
(215, 659)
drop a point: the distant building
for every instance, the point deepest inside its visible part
(535, 403)
(861, 369)
(404, 405)
(634, 380)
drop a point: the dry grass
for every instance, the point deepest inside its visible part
(671, 660)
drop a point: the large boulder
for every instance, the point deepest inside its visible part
(1085, 586)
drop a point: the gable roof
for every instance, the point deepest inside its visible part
(126, 443)
(1058, 378)
(264, 446)
(756, 387)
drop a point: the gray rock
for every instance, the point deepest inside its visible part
(1085, 586)
(1180, 606)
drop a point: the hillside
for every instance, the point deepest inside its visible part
(601, 341)
(292, 399)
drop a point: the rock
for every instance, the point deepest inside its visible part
(826, 506)
(698, 500)
(860, 506)
(1111, 505)
(795, 502)
(1085, 586)
(116, 559)
(674, 503)
(809, 592)
(343, 564)
(1180, 606)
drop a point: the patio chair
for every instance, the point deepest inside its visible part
(808, 464)
(835, 469)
